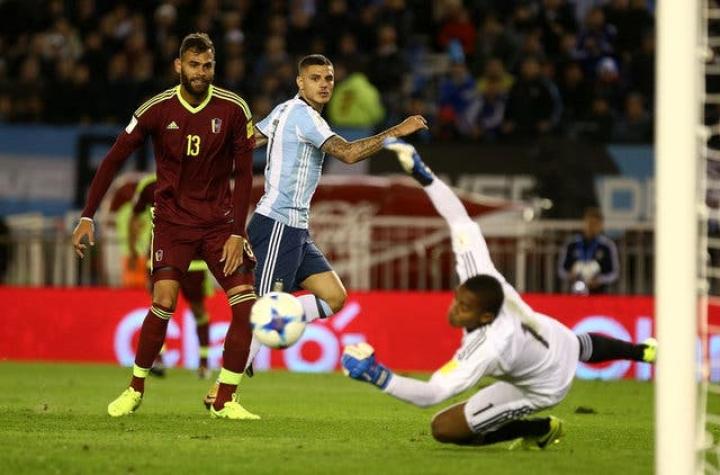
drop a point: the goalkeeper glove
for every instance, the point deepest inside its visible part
(358, 362)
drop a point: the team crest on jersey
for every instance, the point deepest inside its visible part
(215, 125)
(158, 255)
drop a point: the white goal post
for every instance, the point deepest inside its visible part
(679, 78)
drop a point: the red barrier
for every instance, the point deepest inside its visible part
(408, 330)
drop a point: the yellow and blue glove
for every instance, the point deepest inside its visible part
(358, 362)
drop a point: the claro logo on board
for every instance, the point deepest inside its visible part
(318, 350)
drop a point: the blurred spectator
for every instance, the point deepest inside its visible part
(337, 20)
(387, 69)
(399, 45)
(607, 82)
(235, 76)
(348, 53)
(457, 100)
(274, 55)
(524, 18)
(533, 103)
(27, 93)
(589, 261)
(488, 118)
(456, 25)
(401, 16)
(418, 105)
(165, 23)
(261, 106)
(367, 28)
(300, 28)
(635, 126)
(532, 44)
(617, 14)
(355, 103)
(576, 94)
(494, 41)
(556, 19)
(596, 39)
(495, 72)
(642, 68)
(642, 23)
(599, 125)
(119, 87)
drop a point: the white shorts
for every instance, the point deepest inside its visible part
(499, 403)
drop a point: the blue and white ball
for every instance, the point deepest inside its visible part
(277, 319)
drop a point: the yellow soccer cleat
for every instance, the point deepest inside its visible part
(551, 437)
(125, 404)
(650, 351)
(233, 410)
(211, 395)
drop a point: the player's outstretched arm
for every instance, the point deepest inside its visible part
(358, 362)
(127, 142)
(358, 150)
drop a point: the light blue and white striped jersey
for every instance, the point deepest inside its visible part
(295, 133)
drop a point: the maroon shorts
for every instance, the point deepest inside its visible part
(192, 285)
(175, 245)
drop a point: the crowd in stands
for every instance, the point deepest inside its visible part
(483, 70)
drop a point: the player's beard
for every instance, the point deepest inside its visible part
(187, 84)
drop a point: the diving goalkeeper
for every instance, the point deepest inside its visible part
(532, 356)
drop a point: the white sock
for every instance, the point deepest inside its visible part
(255, 346)
(314, 307)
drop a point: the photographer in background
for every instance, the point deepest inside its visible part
(589, 261)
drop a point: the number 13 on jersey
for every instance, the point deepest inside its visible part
(193, 145)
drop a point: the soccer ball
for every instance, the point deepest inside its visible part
(277, 319)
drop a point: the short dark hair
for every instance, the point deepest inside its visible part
(313, 60)
(593, 212)
(197, 43)
(488, 290)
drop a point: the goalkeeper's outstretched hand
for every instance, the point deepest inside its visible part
(358, 362)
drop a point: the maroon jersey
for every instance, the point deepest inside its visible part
(144, 196)
(195, 151)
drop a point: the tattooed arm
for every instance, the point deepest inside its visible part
(358, 150)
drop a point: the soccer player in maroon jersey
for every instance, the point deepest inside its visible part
(199, 133)
(194, 285)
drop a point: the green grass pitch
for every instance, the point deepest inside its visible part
(53, 420)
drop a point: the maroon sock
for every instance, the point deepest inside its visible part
(152, 336)
(203, 334)
(224, 394)
(237, 344)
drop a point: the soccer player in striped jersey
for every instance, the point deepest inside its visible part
(298, 139)
(194, 286)
(533, 356)
(200, 133)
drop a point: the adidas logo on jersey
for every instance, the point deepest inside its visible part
(172, 126)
